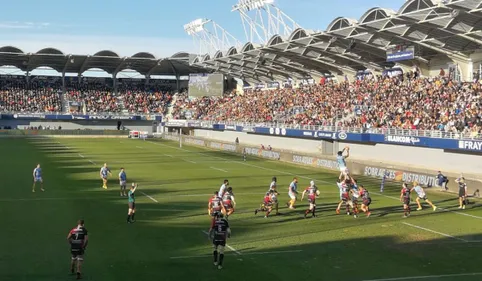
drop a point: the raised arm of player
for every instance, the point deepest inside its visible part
(347, 149)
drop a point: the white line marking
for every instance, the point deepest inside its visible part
(139, 146)
(214, 168)
(229, 247)
(92, 162)
(150, 197)
(303, 177)
(245, 254)
(81, 156)
(427, 277)
(436, 232)
(192, 162)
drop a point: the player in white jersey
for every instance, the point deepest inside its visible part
(421, 195)
(313, 193)
(355, 194)
(273, 185)
(341, 160)
(222, 189)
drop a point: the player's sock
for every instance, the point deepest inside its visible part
(128, 218)
(215, 256)
(133, 215)
(79, 275)
(221, 258)
(314, 212)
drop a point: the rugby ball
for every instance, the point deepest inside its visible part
(317, 193)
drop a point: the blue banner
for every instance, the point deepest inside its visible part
(400, 56)
(40, 116)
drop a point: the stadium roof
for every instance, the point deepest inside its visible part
(433, 27)
(143, 62)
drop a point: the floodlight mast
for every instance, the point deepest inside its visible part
(262, 20)
(210, 37)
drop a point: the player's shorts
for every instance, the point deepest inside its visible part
(292, 195)
(345, 198)
(132, 205)
(312, 200)
(38, 179)
(367, 202)
(219, 243)
(104, 177)
(406, 201)
(461, 193)
(77, 254)
(123, 184)
(423, 197)
(215, 212)
(354, 200)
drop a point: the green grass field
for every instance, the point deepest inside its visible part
(167, 241)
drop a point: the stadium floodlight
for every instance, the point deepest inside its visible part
(262, 20)
(210, 37)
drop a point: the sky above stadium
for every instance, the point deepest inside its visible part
(128, 27)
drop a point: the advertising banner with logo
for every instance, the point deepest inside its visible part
(401, 176)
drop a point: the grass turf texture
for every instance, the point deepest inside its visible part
(174, 186)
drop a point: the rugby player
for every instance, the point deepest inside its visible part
(123, 182)
(104, 173)
(311, 191)
(292, 193)
(462, 192)
(222, 189)
(273, 195)
(341, 160)
(355, 194)
(266, 203)
(273, 185)
(215, 205)
(421, 195)
(132, 204)
(220, 232)
(229, 202)
(366, 200)
(78, 240)
(344, 196)
(37, 177)
(405, 199)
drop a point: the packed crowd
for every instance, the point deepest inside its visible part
(397, 102)
(37, 98)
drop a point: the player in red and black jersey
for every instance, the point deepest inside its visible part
(405, 199)
(215, 205)
(312, 194)
(266, 206)
(345, 196)
(228, 202)
(366, 200)
(78, 240)
(220, 232)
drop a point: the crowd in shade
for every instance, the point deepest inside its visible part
(397, 102)
(16, 97)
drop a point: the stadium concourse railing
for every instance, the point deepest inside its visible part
(371, 172)
(62, 133)
(358, 130)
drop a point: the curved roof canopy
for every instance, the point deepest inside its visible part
(143, 62)
(435, 28)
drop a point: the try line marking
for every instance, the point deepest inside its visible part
(427, 277)
(229, 247)
(303, 177)
(436, 232)
(245, 254)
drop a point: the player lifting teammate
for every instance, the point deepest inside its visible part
(104, 174)
(229, 202)
(405, 199)
(219, 232)
(421, 195)
(131, 199)
(123, 182)
(355, 194)
(78, 240)
(223, 187)
(37, 177)
(312, 192)
(344, 196)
